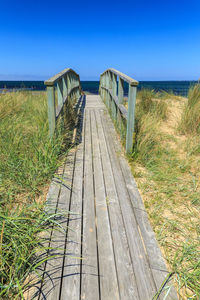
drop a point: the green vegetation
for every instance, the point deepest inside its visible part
(147, 103)
(21, 245)
(27, 156)
(28, 160)
(166, 165)
(190, 120)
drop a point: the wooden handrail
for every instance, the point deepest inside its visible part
(67, 85)
(51, 81)
(123, 76)
(114, 98)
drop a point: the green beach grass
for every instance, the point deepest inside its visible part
(28, 160)
(166, 165)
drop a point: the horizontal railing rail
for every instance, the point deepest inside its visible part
(66, 84)
(111, 90)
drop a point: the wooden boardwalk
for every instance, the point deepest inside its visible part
(108, 250)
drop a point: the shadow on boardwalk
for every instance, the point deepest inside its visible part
(105, 248)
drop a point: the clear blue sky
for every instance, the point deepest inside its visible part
(148, 40)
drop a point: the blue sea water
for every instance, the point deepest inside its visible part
(177, 87)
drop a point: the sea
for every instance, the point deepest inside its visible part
(177, 87)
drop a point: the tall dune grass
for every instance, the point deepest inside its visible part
(190, 120)
(166, 167)
(149, 112)
(28, 160)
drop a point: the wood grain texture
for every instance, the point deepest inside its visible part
(145, 283)
(154, 256)
(110, 230)
(72, 261)
(57, 247)
(169, 289)
(90, 275)
(35, 283)
(107, 270)
(125, 273)
(54, 267)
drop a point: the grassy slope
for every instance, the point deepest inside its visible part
(28, 160)
(166, 166)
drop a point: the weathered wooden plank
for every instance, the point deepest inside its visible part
(72, 262)
(169, 289)
(130, 264)
(94, 102)
(107, 270)
(89, 276)
(54, 190)
(145, 282)
(156, 261)
(53, 272)
(131, 185)
(155, 256)
(33, 291)
(126, 279)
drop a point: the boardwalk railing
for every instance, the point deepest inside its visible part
(112, 92)
(67, 86)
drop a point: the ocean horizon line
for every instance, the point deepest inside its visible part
(178, 87)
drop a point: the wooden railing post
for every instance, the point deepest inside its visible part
(100, 85)
(60, 92)
(64, 79)
(107, 86)
(131, 118)
(124, 118)
(51, 109)
(114, 92)
(114, 85)
(110, 80)
(68, 85)
(69, 82)
(121, 91)
(103, 83)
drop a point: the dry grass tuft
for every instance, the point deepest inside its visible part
(166, 166)
(190, 120)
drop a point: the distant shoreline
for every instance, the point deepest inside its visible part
(178, 87)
